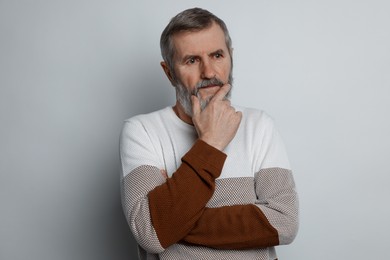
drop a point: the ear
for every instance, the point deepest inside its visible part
(167, 72)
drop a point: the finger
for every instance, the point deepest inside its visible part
(227, 101)
(195, 105)
(222, 92)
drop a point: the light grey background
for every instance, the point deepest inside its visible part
(72, 71)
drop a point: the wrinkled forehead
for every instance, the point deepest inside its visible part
(199, 42)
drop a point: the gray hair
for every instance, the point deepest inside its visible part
(194, 19)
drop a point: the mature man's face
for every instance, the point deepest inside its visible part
(202, 65)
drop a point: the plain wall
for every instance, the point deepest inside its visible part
(72, 71)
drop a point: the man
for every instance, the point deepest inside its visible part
(204, 179)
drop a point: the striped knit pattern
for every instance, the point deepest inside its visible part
(279, 205)
(242, 190)
(136, 205)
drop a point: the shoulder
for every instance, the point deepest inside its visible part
(151, 120)
(145, 123)
(149, 117)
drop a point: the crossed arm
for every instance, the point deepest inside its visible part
(174, 210)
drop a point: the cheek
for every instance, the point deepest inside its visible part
(190, 76)
(224, 70)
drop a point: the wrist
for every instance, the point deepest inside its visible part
(213, 143)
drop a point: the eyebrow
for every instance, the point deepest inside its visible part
(220, 51)
(189, 56)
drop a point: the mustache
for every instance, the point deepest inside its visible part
(209, 82)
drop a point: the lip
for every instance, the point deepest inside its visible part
(208, 91)
(211, 86)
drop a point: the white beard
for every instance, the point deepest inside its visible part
(184, 98)
(183, 95)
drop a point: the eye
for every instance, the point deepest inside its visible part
(218, 55)
(192, 60)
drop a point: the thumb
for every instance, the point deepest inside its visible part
(195, 105)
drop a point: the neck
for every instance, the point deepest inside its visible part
(179, 111)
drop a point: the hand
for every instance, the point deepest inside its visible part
(217, 124)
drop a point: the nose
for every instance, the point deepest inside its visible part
(207, 70)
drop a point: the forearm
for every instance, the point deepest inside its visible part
(233, 227)
(271, 220)
(174, 206)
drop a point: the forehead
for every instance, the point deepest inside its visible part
(200, 42)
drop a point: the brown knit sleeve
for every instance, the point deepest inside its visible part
(271, 220)
(233, 227)
(176, 205)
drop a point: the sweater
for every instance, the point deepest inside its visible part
(235, 204)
